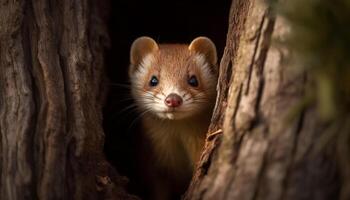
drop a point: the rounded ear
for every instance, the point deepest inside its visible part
(141, 47)
(205, 46)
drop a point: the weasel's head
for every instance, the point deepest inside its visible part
(173, 81)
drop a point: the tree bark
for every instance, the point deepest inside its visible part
(51, 140)
(254, 148)
(51, 62)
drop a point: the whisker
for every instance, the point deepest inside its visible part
(200, 98)
(154, 96)
(127, 108)
(120, 85)
(138, 117)
(125, 100)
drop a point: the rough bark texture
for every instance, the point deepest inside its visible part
(258, 151)
(51, 69)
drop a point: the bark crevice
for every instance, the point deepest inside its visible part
(51, 109)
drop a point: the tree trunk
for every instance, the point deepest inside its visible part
(51, 94)
(256, 149)
(51, 62)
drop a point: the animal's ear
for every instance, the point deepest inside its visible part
(140, 48)
(205, 46)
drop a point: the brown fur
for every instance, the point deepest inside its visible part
(177, 136)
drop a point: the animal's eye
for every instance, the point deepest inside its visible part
(193, 81)
(154, 81)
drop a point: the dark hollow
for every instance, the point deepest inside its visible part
(167, 22)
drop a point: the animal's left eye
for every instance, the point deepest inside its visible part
(192, 81)
(154, 81)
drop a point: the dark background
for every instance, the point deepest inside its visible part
(167, 22)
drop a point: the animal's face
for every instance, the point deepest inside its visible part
(174, 82)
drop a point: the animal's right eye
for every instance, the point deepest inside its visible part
(193, 81)
(154, 81)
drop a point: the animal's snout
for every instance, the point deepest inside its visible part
(173, 100)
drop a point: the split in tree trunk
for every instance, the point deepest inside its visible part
(51, 95)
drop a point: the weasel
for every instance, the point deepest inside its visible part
(174, 87)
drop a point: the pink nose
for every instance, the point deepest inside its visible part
(173, 100)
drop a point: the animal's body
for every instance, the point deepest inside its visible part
(174, 87)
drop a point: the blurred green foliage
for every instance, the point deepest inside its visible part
(319, 41)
